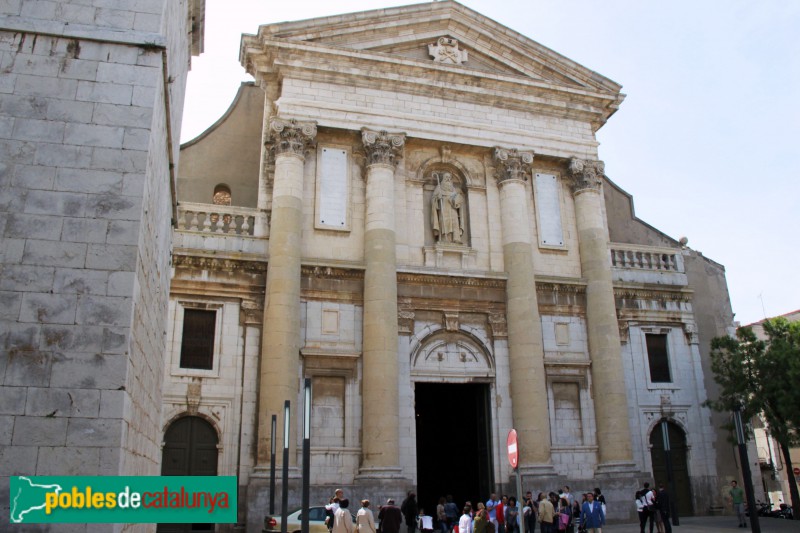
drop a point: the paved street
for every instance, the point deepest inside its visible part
(709, 524)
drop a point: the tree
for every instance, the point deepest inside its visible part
(761, 377)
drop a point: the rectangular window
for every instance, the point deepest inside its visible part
(197, 345)
(548, 205)
(658, 358)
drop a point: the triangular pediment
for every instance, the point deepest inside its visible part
(407, 32)
(419, 50)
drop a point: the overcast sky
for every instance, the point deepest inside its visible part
(707, 140)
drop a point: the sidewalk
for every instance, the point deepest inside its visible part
(709, 524)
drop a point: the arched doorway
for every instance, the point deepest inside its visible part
(453, 374)
(190, 449)
(680, 467)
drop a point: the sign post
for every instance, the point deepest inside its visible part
(513, 460)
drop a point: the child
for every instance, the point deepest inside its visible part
(424, 522)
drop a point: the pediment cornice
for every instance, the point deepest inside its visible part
(371, 41)
(275, 59)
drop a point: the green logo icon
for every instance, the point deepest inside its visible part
(122, 499)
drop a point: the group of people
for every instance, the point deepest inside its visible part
(653, 506)
(553, 512)
(561, 511)
(339, 519)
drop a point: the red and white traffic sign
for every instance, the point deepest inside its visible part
(796, 471)
(513, 452)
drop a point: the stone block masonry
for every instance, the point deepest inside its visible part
(91, 99)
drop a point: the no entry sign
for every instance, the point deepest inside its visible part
(513, 452)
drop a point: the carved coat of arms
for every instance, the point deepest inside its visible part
(446, 51)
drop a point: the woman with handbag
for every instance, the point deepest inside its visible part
(564, 514)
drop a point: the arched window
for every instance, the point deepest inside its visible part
(222, 195)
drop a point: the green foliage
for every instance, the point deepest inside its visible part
(761, 376)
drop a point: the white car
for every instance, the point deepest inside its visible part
(316, 521)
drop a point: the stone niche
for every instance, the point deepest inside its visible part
(447, 221)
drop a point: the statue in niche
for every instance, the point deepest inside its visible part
(447, 210)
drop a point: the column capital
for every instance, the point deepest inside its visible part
(382, 148)
(586, 174)
(291, 136)
(511, 164)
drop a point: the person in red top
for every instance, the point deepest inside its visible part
(500, 513)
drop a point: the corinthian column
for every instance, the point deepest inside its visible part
(526, 351)
(608, 376)
(280, 344)
(381, 457)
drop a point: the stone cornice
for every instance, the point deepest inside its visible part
(570, 288)
(313, 61)
(586, 174)
(636, 293)
(221, 264)
(511, 164)
(330, 272)
(291, 136)
(450, 281)
(381, 147)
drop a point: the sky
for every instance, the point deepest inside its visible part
(707, 140)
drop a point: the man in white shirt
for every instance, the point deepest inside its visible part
(566, 494)
(649, 502)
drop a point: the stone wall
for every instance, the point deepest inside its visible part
(85, 186)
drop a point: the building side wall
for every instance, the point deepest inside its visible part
(237, 134)
(85, 233)
(712, 316)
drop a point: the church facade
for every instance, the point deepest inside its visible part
(408, 208)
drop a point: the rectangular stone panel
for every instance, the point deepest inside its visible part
(567, 429)
(333, 188)
(551, 232)
(327, 413)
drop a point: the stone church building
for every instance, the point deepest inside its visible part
(407, 207)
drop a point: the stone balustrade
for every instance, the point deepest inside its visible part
(220, 219)
(646, 258)
(647, 264)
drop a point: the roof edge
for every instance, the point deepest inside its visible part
(202, 135)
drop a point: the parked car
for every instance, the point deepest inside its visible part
(316, 521)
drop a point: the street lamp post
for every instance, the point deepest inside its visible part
(755, 526)
(306, 454)
(272, 466)
(285, 487)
